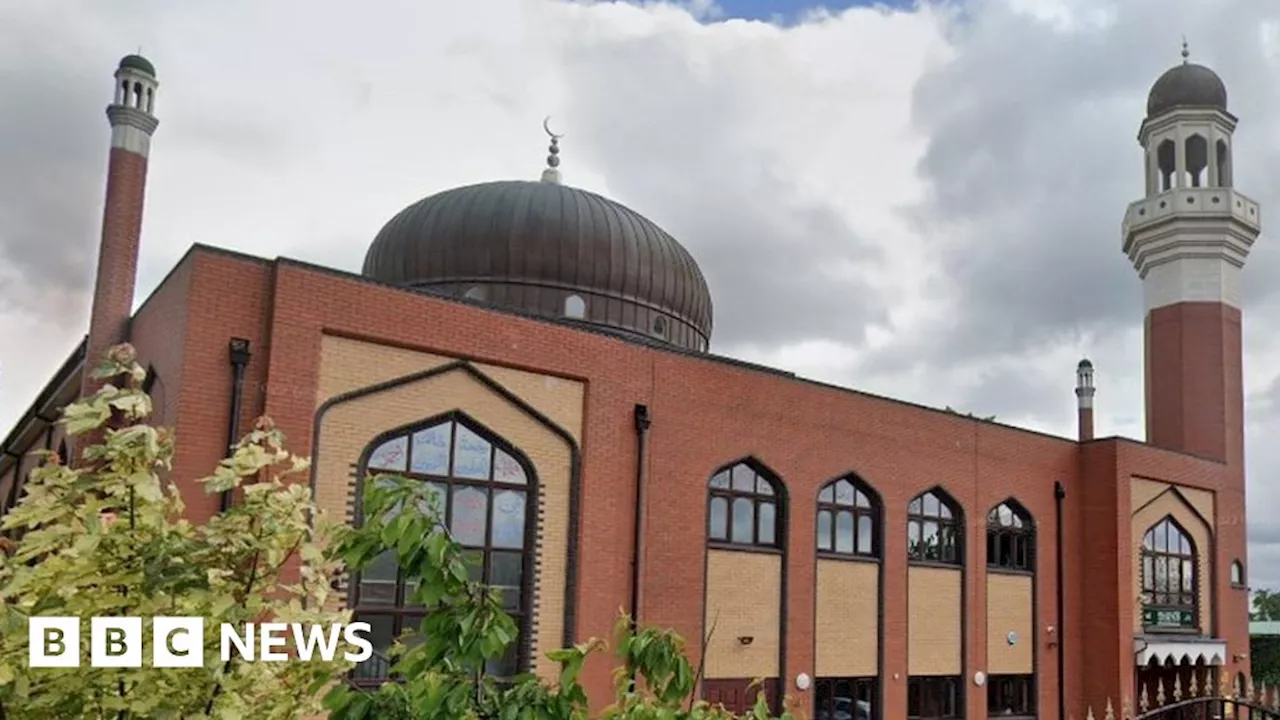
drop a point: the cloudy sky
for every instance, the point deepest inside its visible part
(916, 200)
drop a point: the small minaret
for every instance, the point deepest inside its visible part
(1188, 239)
(1084, 399)
(133, 121)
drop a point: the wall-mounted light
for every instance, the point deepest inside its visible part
(745, 639)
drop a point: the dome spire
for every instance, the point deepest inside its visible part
(552, 173)
(1186, 54)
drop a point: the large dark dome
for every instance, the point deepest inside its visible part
(1187, 85)
(549, 249)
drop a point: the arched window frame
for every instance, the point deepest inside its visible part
(935, 508)
(728, 491)
(1011, 538)
(852, 498)
(1237, 573)
(403, 614)
(1165, 542)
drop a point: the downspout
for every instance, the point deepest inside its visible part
(240, 355)
(643, 421)
(1060, 493)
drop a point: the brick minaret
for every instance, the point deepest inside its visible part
(132, 124)
(1084, 399)
(1188, 239)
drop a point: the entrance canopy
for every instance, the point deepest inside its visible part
(1166, 650)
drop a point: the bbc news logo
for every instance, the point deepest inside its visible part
(178, 642)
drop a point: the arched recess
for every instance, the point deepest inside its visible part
(1223, 151)
(1169, 577)
(747, 538)
(1167, 163)
(347, 422)
(1237, 573)
(1197, 159)
(935, 526)
(486, 489)
(1172, 504)
(1012, 653)
(849, 594)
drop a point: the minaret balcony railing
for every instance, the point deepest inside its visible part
(1208, 203)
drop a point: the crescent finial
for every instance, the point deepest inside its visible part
(546, 125)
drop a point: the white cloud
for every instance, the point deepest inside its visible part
(919, 203)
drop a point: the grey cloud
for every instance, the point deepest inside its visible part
(1032, 159)
(667, 132)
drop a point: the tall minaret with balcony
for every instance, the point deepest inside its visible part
(1188, 240)
(133, 121)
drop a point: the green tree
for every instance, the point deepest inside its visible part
(465, 625)
(1266, 605)
(107, 537)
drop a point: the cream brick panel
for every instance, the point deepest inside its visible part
(1200, 533)
(743, 599)
(1009, 609)
(347, 428)
(846, 629)
(933, 621)
(347, 365)
(1144, 491)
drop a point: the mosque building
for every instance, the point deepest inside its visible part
(539, 355)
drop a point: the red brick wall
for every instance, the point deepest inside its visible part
(706, 414)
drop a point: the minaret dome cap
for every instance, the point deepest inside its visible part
(139, 63)
(1085, 365)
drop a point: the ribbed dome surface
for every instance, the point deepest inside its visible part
(1187, 85)
(533, 245)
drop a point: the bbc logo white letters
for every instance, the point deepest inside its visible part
(178, 642)
(55, 641)
(116, 642)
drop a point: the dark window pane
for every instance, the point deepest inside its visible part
(744, 479)
(475, 564)
(743, 519)
(507, 665)
(824, 530)
(506, 572)
(763, 487)
(720, 480)
(766, 533)
(378, 580)
(865, 535)
(844, 532)
(719, 520)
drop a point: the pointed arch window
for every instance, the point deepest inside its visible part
(1011, 538)
(486, 493)
(1168, 578)
(848, 519)
(743, 508)
(935, 529)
